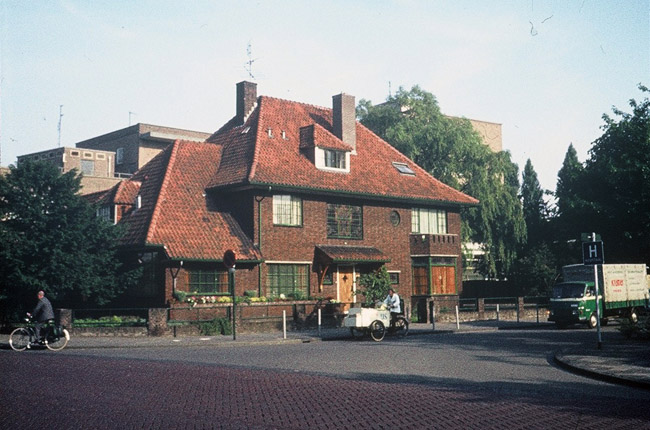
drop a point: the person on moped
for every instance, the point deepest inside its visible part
(393, 304)
(42, 314)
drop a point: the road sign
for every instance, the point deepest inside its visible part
(229, 259)
(592, 253)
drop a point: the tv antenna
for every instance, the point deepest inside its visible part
(249, 63)
(59, 126)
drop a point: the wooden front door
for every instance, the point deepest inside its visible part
(443, 279)
(346, 285)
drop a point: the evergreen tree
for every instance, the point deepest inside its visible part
(534, 207)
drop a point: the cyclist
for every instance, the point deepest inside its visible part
(393, 303)
(42, 314)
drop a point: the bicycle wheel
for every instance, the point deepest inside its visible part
(57, 343)
(401, 326)
(19, 339)
(377, 330)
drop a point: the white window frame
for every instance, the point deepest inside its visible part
(320, 155)
(287, 210)
(429, 221)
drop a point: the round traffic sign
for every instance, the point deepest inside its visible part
(229, 259)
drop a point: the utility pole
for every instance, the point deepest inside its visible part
(59, 127)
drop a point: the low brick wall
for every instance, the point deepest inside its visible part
(109, 331)
(267, 317)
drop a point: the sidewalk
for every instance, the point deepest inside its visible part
(620, 360)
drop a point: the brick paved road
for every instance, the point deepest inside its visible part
(111, 393)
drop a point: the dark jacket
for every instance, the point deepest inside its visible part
(43, 310)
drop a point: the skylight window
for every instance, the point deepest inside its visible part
(403, 168)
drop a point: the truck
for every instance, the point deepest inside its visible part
(623, 292)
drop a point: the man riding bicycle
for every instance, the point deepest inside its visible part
(42, 314)
(393, 303)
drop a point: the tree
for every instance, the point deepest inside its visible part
(568, 183)
(568, 220)
(375, 285)
(51, 239)
(614, 190)
(536, 271)
(451, 150)
(534, 207)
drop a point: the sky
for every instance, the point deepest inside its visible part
(546, 70)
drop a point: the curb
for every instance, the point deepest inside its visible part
(564, 362)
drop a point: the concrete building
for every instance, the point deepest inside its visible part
(97, 167)
(135, 146)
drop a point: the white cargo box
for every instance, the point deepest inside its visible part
(363, 317)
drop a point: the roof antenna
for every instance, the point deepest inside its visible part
(59, 127)
(249, 63)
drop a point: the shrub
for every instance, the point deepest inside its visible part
(221, 326)
(375, 285)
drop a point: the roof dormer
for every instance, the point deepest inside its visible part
(325, 150)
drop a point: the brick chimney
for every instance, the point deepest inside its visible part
(246, 100)
(344, 121)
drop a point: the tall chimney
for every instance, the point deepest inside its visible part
(344, 121)
(246, 99)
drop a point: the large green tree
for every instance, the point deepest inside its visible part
(568, 220)
(51, 239)
(616, 184)
(535, 269)
(452, 151)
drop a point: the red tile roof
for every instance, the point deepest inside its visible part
(174, 211)
(252, 156)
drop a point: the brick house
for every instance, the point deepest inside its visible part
(307, 198)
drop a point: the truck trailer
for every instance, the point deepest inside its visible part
(623, 292)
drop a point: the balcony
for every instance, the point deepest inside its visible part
(431, 244)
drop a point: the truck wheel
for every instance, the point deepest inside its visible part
(634, 317)
(592, 322)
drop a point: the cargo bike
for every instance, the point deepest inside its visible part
(375, 322)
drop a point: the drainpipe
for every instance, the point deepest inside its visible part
(259, 199)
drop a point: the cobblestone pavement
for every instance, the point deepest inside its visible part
(54, 391)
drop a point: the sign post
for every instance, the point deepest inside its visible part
(229, 261)
(592, 254)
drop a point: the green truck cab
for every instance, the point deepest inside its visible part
(574, 303)
(623, 292)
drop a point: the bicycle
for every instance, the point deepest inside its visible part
(55, 337)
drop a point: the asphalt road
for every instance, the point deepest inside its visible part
(501, 379)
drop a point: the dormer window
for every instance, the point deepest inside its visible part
(334, 159)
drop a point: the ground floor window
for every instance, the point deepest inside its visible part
(288, 279)
(209, 281)
(434, 275)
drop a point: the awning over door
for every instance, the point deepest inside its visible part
(340, 254)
